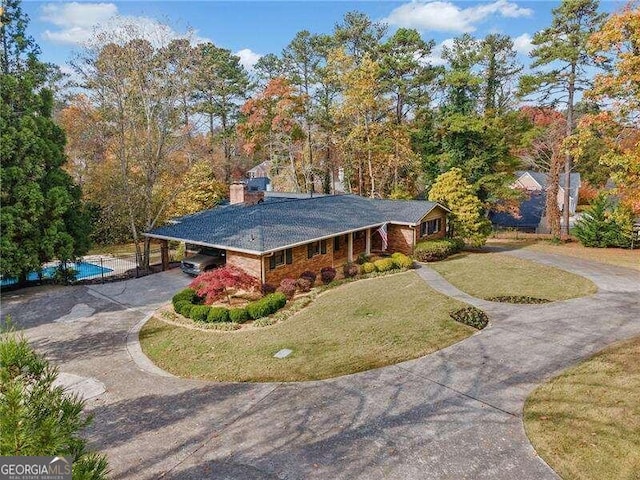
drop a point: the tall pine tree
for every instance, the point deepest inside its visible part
(563, 67)
(42, 217)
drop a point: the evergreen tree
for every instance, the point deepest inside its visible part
(37, 417)
(563, 66)
(42, 217)
(603, 226)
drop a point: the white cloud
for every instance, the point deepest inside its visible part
(78, 14)
(83, 23)
(448, 17)
(435, 58)
(522, 44)
(248, 58)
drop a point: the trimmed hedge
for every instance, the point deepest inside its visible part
(384, 265)
(350, 270)
(368, 267)
(238, 315)
(327, 274)
(199, 313)
(218, 315)
(188, 295)
(521, 299)
(434, 250)
(183, 307)
(267, 288)
(472, 316)
(266, 306)
(311, 276)
(304, 284)
(400, 260)
(288, 287)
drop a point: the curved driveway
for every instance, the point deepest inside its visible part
(453, 414)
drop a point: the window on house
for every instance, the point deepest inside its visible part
(316, 248)
(430, 227)
(336, 244)
(280, 258)
(359, 235)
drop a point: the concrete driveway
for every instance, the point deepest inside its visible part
(453, 414)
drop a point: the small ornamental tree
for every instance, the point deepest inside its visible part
(452, 190)
(222, 282)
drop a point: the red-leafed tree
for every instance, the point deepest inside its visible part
(222, 282)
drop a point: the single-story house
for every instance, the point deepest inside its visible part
(536, 181)
(280, 236)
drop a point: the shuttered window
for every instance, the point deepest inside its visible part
(280, 258)
(316, 248)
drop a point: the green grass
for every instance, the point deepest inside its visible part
(586, 422)
(358, 326)
(486, 275)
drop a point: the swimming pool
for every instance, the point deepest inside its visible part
(83, 269)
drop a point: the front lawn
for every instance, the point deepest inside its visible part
(358, 326)
(622, 257)
(586, 422)
(488, 275)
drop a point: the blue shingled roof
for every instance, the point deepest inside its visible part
(279, 223)
(531, 212)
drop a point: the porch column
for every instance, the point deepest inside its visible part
(350, 247)
(164, 254)
(367, 247)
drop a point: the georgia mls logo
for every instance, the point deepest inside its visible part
(35, 468)
(59, 466)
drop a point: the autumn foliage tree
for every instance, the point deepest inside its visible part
(222, 283)
(452, 190)
(618, 89)
(273, 126)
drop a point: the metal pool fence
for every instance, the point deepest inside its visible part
(92, 269)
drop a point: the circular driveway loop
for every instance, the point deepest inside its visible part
(453, 414)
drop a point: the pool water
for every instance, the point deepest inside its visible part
(83, 269)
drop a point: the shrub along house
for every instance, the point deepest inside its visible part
(280, 236)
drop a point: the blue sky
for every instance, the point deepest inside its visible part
(251, 29)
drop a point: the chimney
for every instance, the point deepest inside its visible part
(239, 193)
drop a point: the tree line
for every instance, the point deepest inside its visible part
(157, 129)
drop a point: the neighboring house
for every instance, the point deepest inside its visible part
(536, 181)
(275, 237)
(261, 170)
(258, 177)
(531, 218)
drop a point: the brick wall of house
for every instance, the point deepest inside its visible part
(301, 263)
(340, 256)
(401, 238)
(244, 261)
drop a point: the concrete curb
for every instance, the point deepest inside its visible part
(137, 355)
